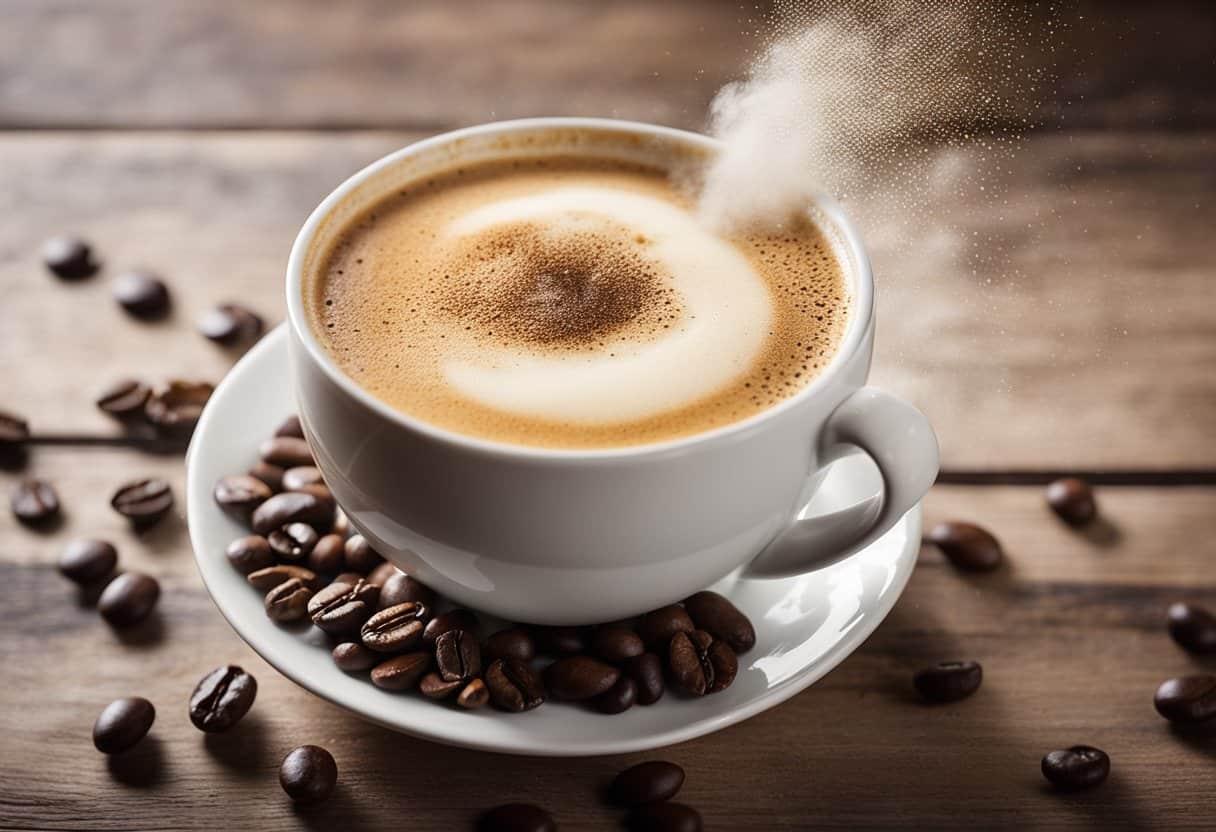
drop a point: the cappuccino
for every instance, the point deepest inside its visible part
(569, 302)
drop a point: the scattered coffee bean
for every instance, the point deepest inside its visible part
(293, 507)
(343, 608)
(948, 681)
(651, 782)
(1073, 500)
(308, 774)
(401, 588)
(142, 294)
(618, 698)
(264, 580)
(616, 644)
(514, 686)
(124, 398)
(434, 687)
(716, 615)
(13, 429)
(175, 408)
(663, 817)
(327, 555)
(561, 641)
(458, 655)
(288, 601)
(658, 626)
(647, 671)
(354, 657)
(576, 678)
(512, 643)
(457, 619)
(1187, 699)
(249, 554)
(395, 629)
(221, 698)
(128, 599)
(293, 542)
(68, 257)
(701, 665)
(86, 562)
(122, 724)
(290, 427)
(272, 475)
(475, 695)
(241, 494)
(1076, 768)
(360, 556)
(230, 323)
(1193, 627)
(516, 817)
(303, 475)
(143, 502)
(401, 672)
(967, 546)
(286, 452)
(34, 502)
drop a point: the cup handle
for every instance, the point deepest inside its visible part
(901, 442)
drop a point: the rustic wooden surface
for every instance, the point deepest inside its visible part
(195, 138)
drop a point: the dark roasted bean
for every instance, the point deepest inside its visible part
(142, 294)
(618, 698)
(380, 575)
(69, 258)
(1187, 699)
(701, 665)
(124, 398)
(617, 644)
(475, 695)
(318, 490)
(341, 524)
(86, 562)
(286, 452)
(663, 817)
(967, 546)
(1076, 768)
(249, 554)
(457, 619)
(308, 774)
(560, 641)
(395, 629)
(717, 616)
(514, 686)
(651, 782)
(516, 817)
(434, 687)
(293, 507)
(658, 626)
(512, 643)
(343, 608)
(128, 599)
(288, 602)
(176, 407)
(457, 655)
(241, 493)
(293, 542)
(401, 672)
(360, 556)
(647, 671)
(348, 578)
(143, 502)
(290, 427)
(272, 475)
(1073, 500)
(230, 323)
(1192, 627)
(34, 502)
(579, 677)
(13, 429)
(400, 588)
(302, 475)
(264, 580)
(948, 681)
(354, 657)
(327, 556)
(221, 698)
(122, 724)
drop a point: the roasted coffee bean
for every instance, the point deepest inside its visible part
(401, 672)
(272, 475)
(353, 657)
(434, 687)
(143, 502)
(288, 602)
(380, 575)
(122, 724)
(286, 452)
(68, 257)
(618, 698)
(967, 546)
(221, 698)
(348, 578)
(341, 524)
(512, 643)
(241, 494)
(175, 408)
(651, 782)
(343, 608)
(516, 817)
(230, 323)
(579, 677)
(658, 626)
(124, 398)
(13, 429)
(616, 644)
(401, 588)
(290, 427)
(560, 641)
(457, 619)
(458, 655)
(948, 681)
(395, 629)
(293, 542)
(663, 817)
(293, 507)
(647, 671)
(475, 695)
(142, 294)
(701, 665)
(128, 599)
(514, 686)
(249, 554)
(86, 562)
(327, 556)
(1073, 500)
(318, 490)
(264, 580)
(1193, 627)
(717, 616)
(308, 774)
(34, 502)
(302, 475)
(1187, 699)
(360, 556)
(1076, 768)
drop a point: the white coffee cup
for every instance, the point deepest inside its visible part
(583, 536)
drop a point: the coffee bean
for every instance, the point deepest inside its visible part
(221, 698)
(948, 681)
(380, 575)
(516, 817)
(1193, 627)
(13, 429)
(647, 671)
(143, 502)
(1073, 500)
(290, 427)
(618, 698)
(264, 580)
(230, 323)
(401, 672)
(318, 490)
(401, 588)
(512, 643)
(458, 655)
(175, 408)
(308, 774)
(561, 641)
(341, 524)
(293, 507)
(288, 601)
(354, 657)
(68, 257)
(457, 619)
(701, 665)
(579, 677)
(343, 608)
(348, 578)
(142, 294)
(967, 546)
(128, 599)
(1076, 768)
(514, 686)
(249, 554)
(293, 542)
(34, 502)
(475, 695)
(86, 562)
(717, 616)
(302, 475)
(286, 452)
(434, 687)
(616, 644)
(663, 817)
(1187, 699)
(272, 475)
(395, 629)
(651, 782)
(124, 398)
(327, 557)
(241, 494)
(658, 626)
(360, 556)
(122, 724)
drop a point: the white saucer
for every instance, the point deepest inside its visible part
(805, 626)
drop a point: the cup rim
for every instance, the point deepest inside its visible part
(861, 285)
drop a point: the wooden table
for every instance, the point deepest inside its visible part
(194, 139)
